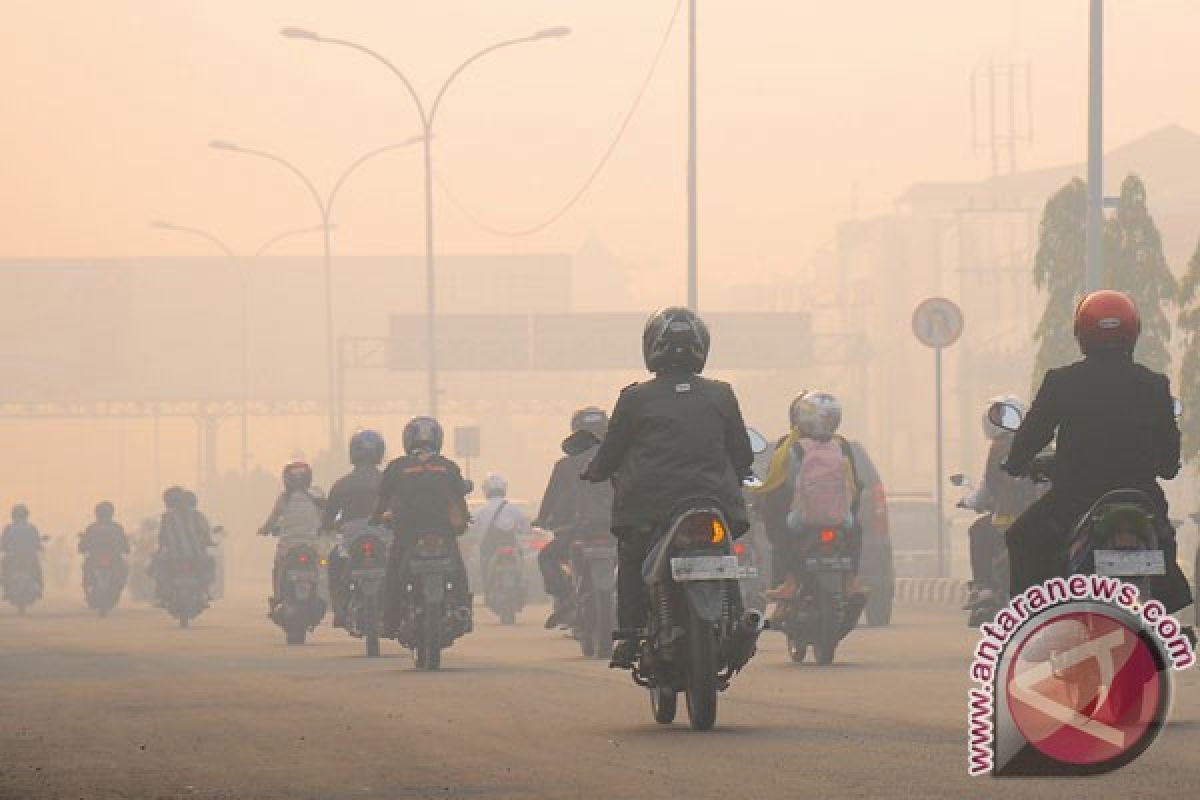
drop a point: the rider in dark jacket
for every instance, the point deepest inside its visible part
(571, 509)
(351, 499)
(104, 536)
(1115, 428)
(674, 437)
(422, 491)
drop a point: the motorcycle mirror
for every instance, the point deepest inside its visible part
(1005, 416)
(468, 486)
(1177, 407)
(579, 442)
(958, 479)
(758, 442)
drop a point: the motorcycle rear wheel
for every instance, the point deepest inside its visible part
(602, 625)
(828, 625)
(296, 633)
(663, 701)
(701, 673)
(429, 645)
(797, 649)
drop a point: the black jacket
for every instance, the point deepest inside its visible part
(103, 537)
(672, 438)
(555, 511)
(353, 496)
(1115, 422)
(423, 493)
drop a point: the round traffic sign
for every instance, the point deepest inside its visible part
(937, 322)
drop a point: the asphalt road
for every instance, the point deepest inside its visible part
(132, 707)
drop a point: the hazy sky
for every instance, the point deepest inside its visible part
(107, 107)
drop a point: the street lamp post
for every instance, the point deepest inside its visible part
(427, 117)
(1095, 154)
(325, 207)
(244, 277)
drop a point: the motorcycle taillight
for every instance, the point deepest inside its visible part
(700, 530)
(304, 558)
(368, 548)
(506, 551)
(739, 549)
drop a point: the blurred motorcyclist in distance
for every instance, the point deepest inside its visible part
(104, 536)
(422, 491)
(21, 543)
(815, 418)
(571, 509)
(498, 524)
(674, 437)
(1005, 497)
(351, 502)
(183, 533)
(295, 518)
(1114, 424)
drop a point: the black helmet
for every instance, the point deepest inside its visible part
(189, 499)
(590, 419)
(297, 475)
(105, 511)
(174, 497)
(675, 338)
(366, 448)
(20, 513)
(423, 434)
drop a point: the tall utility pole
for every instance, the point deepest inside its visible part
(693, 269)
(1095, 181)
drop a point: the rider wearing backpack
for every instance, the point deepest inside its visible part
(812, 482)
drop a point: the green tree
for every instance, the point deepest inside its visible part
(1058, 270)
(1189, 373)
(1133, 263)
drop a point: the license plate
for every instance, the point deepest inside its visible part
(300, 575)
(368, 574)
(1130, 562)
(704, 568)
(829, 563)
(427, 566)
(747, 572)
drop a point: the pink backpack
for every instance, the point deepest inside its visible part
(823, 486)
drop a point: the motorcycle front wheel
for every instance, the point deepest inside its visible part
(701, 672)
(662, 704)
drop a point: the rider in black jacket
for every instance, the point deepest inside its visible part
(674, 437)
(1115, 428)
(352, 499)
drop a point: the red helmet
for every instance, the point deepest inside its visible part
(1107, 320)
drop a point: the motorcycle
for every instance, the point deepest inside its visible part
(22, 580)
(819, 611)
(104, 576)
(985, 611)
(427, 580)
(753, 583)
(367, 553)
(186, 592)
(593, 573)
(298, 607)
(505, 590)
(696, 636)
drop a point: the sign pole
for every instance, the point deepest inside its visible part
(941, 510)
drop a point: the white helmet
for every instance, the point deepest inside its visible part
(992, 431)
(494, 485)
(815, 413)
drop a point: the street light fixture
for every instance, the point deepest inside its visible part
(325, 208)
(427, 117)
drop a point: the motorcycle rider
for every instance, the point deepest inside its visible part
(422, 491)
(183, 533)
(20, 543)
(498, 524)
(815, 417)
(1116, 429)
(295, 519)
(674, 437)
(1005, 498)
(571, 509)
(350, 504)
(104, 536)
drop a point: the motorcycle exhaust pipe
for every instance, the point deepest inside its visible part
(744, 642)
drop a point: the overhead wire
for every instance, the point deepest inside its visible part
(595, 173)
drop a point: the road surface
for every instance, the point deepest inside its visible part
(132, 707)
